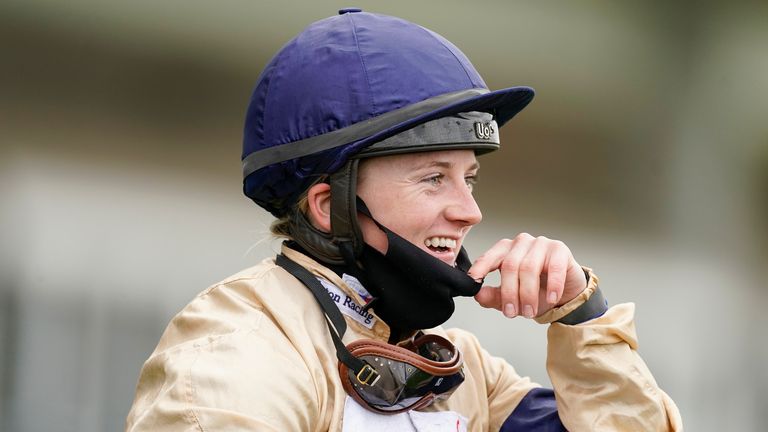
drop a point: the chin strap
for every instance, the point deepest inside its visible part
(318, 243)
(364, 373)
(344, 244)
(344, 226)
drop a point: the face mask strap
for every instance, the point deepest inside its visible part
(365, 374)
(362, 208)
(462, 260)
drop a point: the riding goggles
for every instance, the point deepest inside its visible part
(400, 378)
(385, 378)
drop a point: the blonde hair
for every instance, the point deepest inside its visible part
(283, 227)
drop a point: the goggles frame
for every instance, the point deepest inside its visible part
(408, 374)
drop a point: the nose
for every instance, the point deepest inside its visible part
(463, 207)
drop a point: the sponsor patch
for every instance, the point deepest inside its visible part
(484, 131)
(358, 287)
(347, 304)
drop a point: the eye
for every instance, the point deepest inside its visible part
(471, 181)
(435, 180)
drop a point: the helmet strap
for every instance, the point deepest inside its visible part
(345, 229)
(318, 243)
(344, 244)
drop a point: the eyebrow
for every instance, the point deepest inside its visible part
(446, 165)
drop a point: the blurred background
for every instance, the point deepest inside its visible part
(645, 150)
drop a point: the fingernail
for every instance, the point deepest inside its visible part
(528, 311)
(552, 297)
(509, 310)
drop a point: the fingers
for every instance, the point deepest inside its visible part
(489, 297)
(512, 279)
(557, 270)
(504, 256)
(533, 275)
(530, 270)
(491, 259)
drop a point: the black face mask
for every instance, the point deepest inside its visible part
(413, 290)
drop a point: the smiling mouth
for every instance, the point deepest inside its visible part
(440, 244)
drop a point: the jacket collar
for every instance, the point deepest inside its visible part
(350, 301)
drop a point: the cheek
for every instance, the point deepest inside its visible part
(407, 212)
(411, 224)
(373, 235)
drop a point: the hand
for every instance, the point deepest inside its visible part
(537, 274)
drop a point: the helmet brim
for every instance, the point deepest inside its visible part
(502, 104)
(416, 139)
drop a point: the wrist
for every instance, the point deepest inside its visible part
(580, 308)
(595, 306)
(587, 276)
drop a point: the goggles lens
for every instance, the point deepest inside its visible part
(427, 368)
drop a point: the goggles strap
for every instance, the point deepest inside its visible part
(333, 318)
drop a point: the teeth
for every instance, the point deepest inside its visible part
(440, 242)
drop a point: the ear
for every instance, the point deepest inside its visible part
(319, 201)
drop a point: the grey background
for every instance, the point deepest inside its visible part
(645, 150)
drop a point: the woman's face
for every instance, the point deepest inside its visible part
(426, 198)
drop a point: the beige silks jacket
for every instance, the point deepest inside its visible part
(253, 353)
